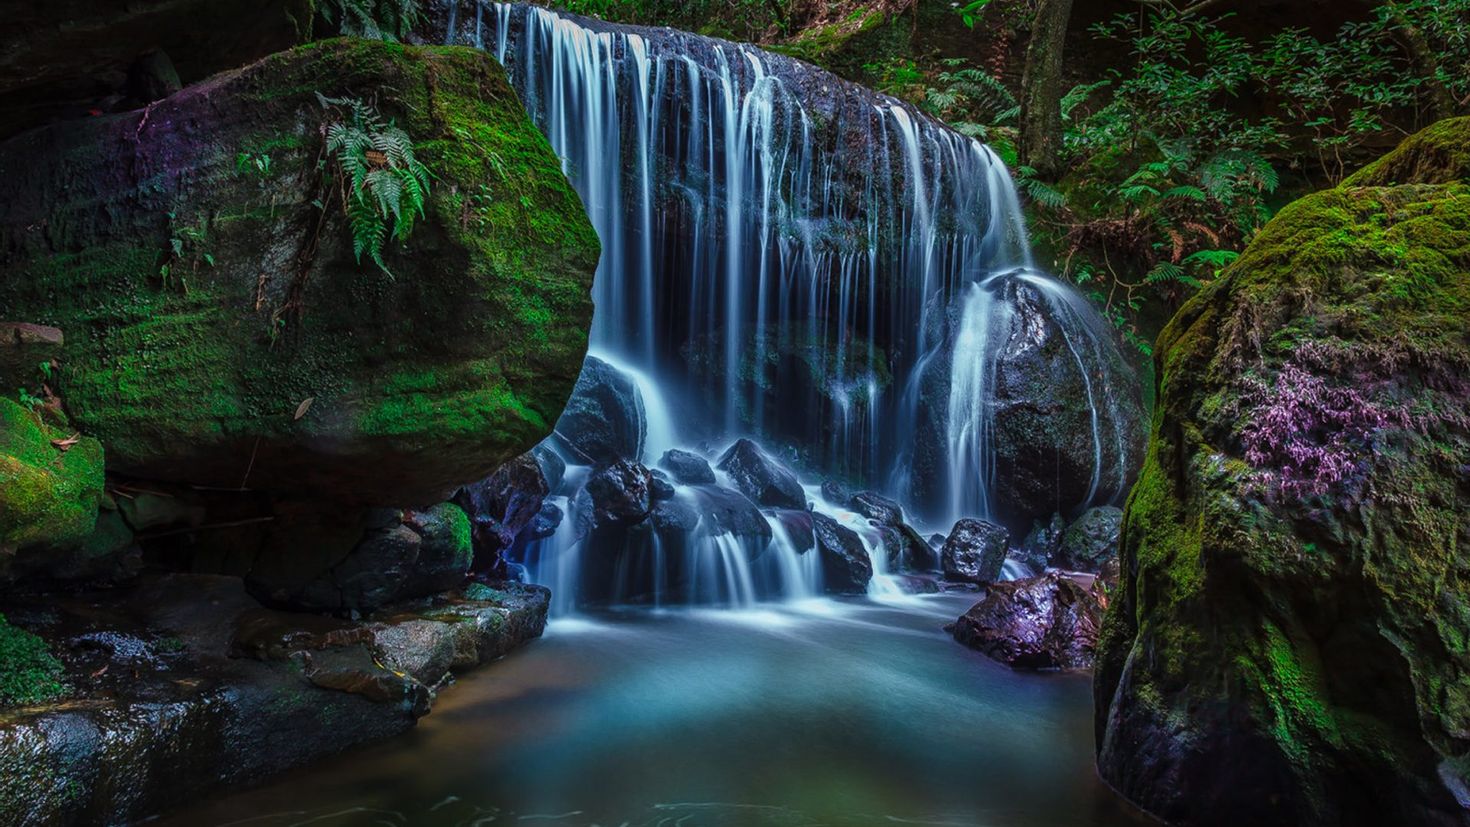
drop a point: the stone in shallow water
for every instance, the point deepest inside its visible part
(620, 495)
(687, 467)
(603, 421)
(761, 477)
(1045, 622)
(846, 567)
(975, 552)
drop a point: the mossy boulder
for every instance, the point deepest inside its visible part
(1289, 643)
(29, 673)
(221, 332)
(50, 487)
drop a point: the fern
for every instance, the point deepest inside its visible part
(383, 185)
(388, 20)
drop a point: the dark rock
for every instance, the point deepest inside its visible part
(603, 421)
(619, 494)
(1091, 541)
(1046, 622)
(503, 504)
(553, 467)
(687, 467)
(975, 552)
(936, 541)
(23, 349)
(659, 486)
(760, 477)
(397, 370)
(836, 493)
(674, 517)
(876, 507)
(1292, 612)
(428, 552)
(730, 512)
(1043, 544)
(153, 77)
(798, 527)
(1039, 421)
(846, 567)
(545, 523)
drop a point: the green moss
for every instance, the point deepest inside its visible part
(48, 496)
(1437, 155)
(29, 673)
(456, 365)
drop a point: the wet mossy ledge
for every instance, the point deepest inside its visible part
(1289, 645)
(221, 332)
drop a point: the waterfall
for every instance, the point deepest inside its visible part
(790, 256)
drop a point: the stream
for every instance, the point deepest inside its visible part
(812, 713)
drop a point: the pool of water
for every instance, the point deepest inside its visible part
(822, 713)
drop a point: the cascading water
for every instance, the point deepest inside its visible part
(788, 255)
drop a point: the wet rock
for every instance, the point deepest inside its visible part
(731, 512)
(846, 567)
(1045, 622)
(1043, 543)
(674, 517)
(1091, 541)
(659, 486)
(876, 507)
(975, 552)
(23, 348)
(603, 421)
(761, 477)
(619, 495)
(545, 523)
(422, 649)
(1039, 419)
(836, 493)
(905, 547)
(687, 467)
(504, 503)
(798, 527)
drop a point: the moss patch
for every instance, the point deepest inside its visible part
(48, 496)
(29, 673)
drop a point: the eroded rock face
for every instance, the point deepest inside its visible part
(1292, 615)
(418, 383)
(1045, 622)
(975, 552)
(761, 477)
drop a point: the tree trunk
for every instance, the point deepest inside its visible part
(1041, 89)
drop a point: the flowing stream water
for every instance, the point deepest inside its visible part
(814, 713)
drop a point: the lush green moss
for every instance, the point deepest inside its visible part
(1317, 638)
(29, 673)
(48, 496)
(431, 378)
(1437, 155)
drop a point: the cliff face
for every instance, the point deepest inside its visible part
(205, 295)
(1289, 644)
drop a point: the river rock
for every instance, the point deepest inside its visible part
(761, 477)
(797, 523)
(906, 548)
(1091, 540)
(730, 512)
(846, 567)
(687, 467)
(619, 495)
(1045, 622)
(603, 421)
(268, 358)
(975, 552)
(1291, 620)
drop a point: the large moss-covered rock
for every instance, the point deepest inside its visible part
(418, 381)
(1289, 645)
(50, 487)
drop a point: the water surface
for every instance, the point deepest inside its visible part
(818, 713)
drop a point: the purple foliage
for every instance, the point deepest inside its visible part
(1310, 435)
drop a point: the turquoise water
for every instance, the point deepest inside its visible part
(821, 713)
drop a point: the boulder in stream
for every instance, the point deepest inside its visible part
(975, 552)
(1045, 622)
(603, 421)
(761, 477)
(846, 567)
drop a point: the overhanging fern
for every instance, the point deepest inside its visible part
(388, 20)
(383, 186)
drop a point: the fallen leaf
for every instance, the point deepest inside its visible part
(304, 407)
(65, 444)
